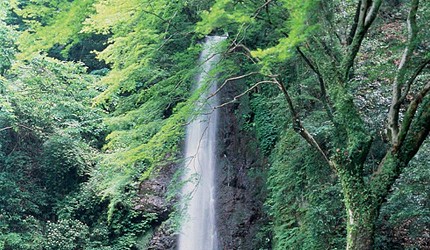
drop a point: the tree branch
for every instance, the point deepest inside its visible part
(242, 94)
(6, 128)
(411, 81)
(372, 13)
(366, 16)
(229, 80)
(410, 114)
(323, 90)
(298, 125)
(419, 129)
(266, 4)
(247, 52)
(19, 125)
(414, 130)
(399, 80)
(354, 25)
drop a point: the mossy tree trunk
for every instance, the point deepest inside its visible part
(360, 227)
(361, 209)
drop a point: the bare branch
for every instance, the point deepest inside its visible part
(6, 128)
(247, 52)
(229, 80)
(19, 125)
(242, 28)
(240, 45)
(243, 93)
(266, 4)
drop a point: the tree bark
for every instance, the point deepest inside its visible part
(361, 209)
(360, 231)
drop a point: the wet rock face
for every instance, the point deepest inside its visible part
(240, 193)
(152, 199)
(164, 239)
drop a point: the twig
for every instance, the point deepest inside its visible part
(6, 128)
(257, 12)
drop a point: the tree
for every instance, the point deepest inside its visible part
(337, 60)
(50, 23)
(7, 39)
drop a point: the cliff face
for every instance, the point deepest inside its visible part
(152, 199)
(240, 178)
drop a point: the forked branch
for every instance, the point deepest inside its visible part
(399, 81)
(411, 80)
(367, 12)
(410, 114)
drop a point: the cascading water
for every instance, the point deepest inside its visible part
(198, 231)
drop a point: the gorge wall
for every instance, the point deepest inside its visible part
(240, 178)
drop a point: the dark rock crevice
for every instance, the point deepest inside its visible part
(240, 177)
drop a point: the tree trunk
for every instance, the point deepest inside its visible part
(360, 229)
(361, 208)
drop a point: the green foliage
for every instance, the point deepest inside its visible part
(267, 125)
(65, 163)
(7, 40)
(153, 57)
(51, 96)
(304, 199)
(66, 234)
(54, 116)
(222, 14)
(12, 241)
(51, 23)
(299, 28)
(47, 126)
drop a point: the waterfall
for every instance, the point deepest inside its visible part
(198, 231)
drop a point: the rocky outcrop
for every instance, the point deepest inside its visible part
(152, 199)
(164, 238)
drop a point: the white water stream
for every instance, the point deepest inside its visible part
(199, 231)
